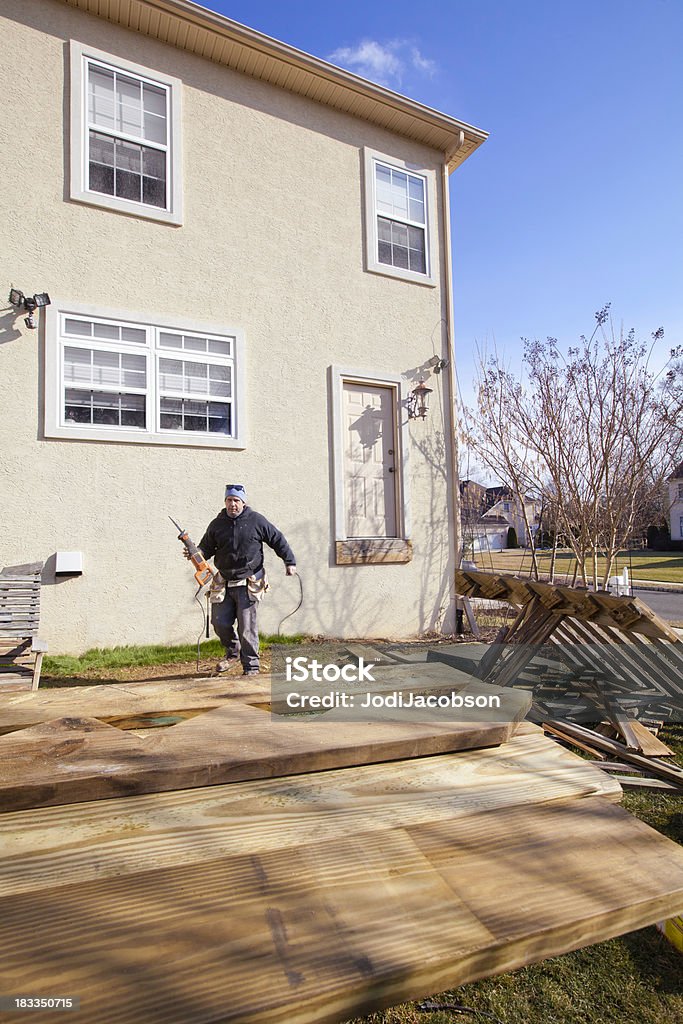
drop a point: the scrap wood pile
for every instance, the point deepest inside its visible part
(589, 657)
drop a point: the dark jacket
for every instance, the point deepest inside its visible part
(236, 545)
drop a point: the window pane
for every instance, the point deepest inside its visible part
(170, 340)
(416, 189)
(417, 255)
(195, 344)
(219, 377)
(135, 334)
(219, 418)
(101, 164)
(133, 371)
(417, 211)
(221, 348)
(197, 423)
(128, 186)
(77, 365)
(128, 105)
(128, 157)
(101, 97)
(400, 256)
(82, 328)
(170, 375)
(154, 192)
(154, 115)
(106, 368)
(196, 379)
(133, 411)
(77, 406)
(109, 331)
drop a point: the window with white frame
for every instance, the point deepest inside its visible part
(125, 145)
(113, 379)
(399, 218)
(680, 492)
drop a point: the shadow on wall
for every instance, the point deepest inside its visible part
(8, 330)
(353, 600)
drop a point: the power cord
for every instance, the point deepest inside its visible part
(431, 1006)
(205, 622)
(301, 601)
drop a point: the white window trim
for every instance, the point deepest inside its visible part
(54, 385)
(371, 158)
(79, 149)
(340, 375)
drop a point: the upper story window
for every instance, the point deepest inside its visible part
(125, 136)
(400, 202)
(115, 379)
(680, 492)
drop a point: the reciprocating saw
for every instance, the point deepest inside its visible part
(203, 572)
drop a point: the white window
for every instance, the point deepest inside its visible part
(118, 379)
(680, 492)
(125, 136)
(399, 216)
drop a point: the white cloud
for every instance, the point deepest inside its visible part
(384, 63)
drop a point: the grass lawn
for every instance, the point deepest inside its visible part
(657, 566)
(634, 979)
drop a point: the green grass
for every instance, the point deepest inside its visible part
(101, 659)
(656, 566)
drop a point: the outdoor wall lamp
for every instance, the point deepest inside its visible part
(30, 303)
(418, 401)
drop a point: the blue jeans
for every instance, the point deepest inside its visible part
(238, 606)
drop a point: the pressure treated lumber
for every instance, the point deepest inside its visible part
(116, 703)
(74, 759)
(97, 839)
(330, 926)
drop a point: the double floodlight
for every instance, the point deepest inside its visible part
(30, 303)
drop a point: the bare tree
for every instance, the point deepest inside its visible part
(593, 432)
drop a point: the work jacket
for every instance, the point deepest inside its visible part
(236, 545)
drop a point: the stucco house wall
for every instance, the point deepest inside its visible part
(271, 246)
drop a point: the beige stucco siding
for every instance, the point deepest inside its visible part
(271, 243)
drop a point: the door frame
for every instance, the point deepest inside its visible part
(350, 550)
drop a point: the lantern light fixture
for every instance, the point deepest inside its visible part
(418, 401)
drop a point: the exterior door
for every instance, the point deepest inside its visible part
(370, 461)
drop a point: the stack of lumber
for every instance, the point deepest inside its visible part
(319, 883)
(586, 656)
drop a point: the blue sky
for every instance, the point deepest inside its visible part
(576, 199)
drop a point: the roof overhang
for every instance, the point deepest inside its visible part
(212, 36)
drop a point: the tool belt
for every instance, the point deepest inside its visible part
(257, 586)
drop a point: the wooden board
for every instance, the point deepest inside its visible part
(317, 898)
(175, 828)
(74, 758)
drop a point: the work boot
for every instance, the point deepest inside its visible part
(227, 662)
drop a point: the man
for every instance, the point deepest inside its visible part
(235, 539)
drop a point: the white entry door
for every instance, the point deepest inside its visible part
(370, 461)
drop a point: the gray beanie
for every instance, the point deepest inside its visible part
(235, 491)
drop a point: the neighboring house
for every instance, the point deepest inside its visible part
(247, 254)
(488, 530)
(675, 482)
